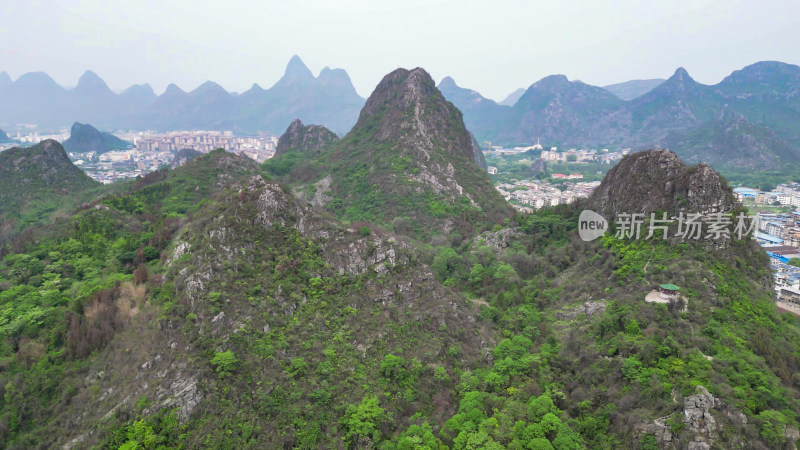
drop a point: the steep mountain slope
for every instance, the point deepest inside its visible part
(86, 138)
(732, 142)
(37, 182)
(93, 99)
(767, 94)
(557, 110)
(408, 161)
(206, 306)
(676, 104)
(629, 90)
(263, 313)
(31, 99)
(479, 112)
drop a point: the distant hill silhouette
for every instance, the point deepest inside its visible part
(629, 90)
(86, 138)
(329, 99)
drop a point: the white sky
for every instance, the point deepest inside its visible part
(493, 47)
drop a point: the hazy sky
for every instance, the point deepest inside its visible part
(493, 47)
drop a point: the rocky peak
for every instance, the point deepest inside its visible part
(311, 139)
(408, 146)
(400, 89)
(46, 161)
(173, 91)
(680, 82)
(552, 82)
(255, 88)
(772, 72)
(139, 91)
(86, 138)
(36, 80)
(296, 72)
(210, 89)
(410, 110)
(657, 180)
(447, 83)
(681, 74)
(90, 81)
(335, 77)
(183, 156)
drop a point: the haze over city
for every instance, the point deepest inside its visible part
(493, 48)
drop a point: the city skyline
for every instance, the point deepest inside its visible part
(492, 49)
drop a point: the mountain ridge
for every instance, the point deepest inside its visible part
(330, 99)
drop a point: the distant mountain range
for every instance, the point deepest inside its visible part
(764, 98)
(329, 98)
(629, 90)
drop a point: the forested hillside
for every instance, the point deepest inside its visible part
(210, 306)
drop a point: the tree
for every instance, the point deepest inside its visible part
(505, 274)
(361, 421)
(226, 362)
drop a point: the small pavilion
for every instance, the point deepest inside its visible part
(668, 291)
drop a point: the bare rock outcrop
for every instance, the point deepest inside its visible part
(657, 180)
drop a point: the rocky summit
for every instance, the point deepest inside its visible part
(311, 139)
(408, 161)
(657, 180)
(84, 138)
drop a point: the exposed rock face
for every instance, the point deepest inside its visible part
(411, 144)
(181, 393)
(310, 139)
(587, 308)
(657, 180)
(538, 167)
(86, 138)
(183, 156)
(496, 240)
(696, 414)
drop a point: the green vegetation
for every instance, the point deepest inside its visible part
(208, 307)
(511, 168)
(39, 183)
